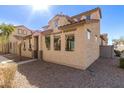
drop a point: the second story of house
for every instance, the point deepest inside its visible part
(61, 20)
(20, 32)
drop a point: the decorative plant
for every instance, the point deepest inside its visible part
(6, 30)
(121, 62)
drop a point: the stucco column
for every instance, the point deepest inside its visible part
(40, 52)
(33, 46)
(63, 42)
(32, 43)
(52, 43)
(40, 42)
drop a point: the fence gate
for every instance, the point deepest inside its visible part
(107, 51)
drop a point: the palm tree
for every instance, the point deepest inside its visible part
(6, 30)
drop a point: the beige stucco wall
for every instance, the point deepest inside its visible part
(61, 21)
(69, 58)
(95, 15)
(85, 53)
(92, 45)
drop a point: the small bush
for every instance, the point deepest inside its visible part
(117, 53)
(122, 51)
(7, 73)
(122, 62)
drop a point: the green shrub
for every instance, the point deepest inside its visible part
(122, 51)
(117, 53)
(122, 62)
(7, 73)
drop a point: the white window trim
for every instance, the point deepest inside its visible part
(88, 34)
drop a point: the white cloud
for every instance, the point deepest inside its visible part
(8, 22)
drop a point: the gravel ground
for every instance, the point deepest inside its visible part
(103, 73)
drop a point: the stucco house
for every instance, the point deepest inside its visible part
(20, 41)
(23, 42)
(72, 40)
(119, 46)
(67, 40)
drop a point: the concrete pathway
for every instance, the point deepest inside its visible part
(6, 60)
(3, 59)
(27, 61)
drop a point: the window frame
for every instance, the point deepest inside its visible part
(58, 43)
(24, 46)
(88, 17)
(48, 46)
(69, 42)
(88, 34)
(30, 45)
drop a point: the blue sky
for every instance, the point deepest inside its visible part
(112, 21)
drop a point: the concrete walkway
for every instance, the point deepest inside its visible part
(4, 60)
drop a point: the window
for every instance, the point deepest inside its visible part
(19, 31)
(56, 23)
(30, 48)
(88, 17)
(47, 41)
(88, 34)
(24, 32)
(24, 47)
(57, 43)
(70, 40)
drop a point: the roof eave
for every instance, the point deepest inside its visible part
(77, 23)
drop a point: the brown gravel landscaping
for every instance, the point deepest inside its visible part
(103, 73)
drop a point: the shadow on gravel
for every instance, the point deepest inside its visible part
(16, 58)
(102, 73)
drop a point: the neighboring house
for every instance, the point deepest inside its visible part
(20, 41)
(104, 39)
(119, 46)
(72, 41)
